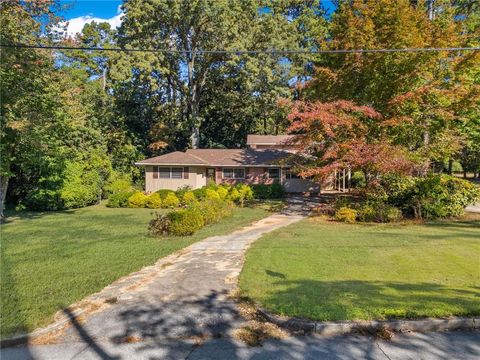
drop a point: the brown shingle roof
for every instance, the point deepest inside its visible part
(268, 139)
(173, 158)
(220, 157)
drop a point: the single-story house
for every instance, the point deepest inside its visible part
(260, 162)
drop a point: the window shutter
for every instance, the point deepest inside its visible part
(186, 172)
(155, 172)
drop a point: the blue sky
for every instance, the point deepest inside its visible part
(100, 8)
(83, 11)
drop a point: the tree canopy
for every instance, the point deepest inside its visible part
(74, 120)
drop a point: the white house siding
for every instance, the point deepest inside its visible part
(196, 179)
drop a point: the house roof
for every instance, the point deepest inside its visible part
(220, 157)
(173, 158)
(268, 139)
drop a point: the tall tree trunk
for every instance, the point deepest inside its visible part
(450, 166)
(3, 193)
(431, 13)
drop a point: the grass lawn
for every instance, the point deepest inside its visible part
(50, 260)
(330, 271)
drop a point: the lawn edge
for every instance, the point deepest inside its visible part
(336, 328)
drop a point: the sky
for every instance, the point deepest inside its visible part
(80, 12)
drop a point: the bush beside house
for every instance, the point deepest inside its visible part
(430, 197)
(200, 207)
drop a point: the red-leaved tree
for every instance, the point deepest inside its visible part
(340, 134)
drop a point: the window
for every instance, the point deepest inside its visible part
(234, 173)
(274, 173)
(168, 173)
(177, 173)
(289, 174)
(164, 173)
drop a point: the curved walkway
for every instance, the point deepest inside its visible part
(184, 296)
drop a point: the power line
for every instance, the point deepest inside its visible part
(239, 52)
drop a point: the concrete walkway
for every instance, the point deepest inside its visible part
(183, 296)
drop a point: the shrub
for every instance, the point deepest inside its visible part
(222, 192)
(153, 201)
(260, 191)
(119, 199)
(184, 222)
(201, 193)
(379, 212)
(189, 198)
(442, 196)
(117, 183)
(346, 214)
(367, 213)
(137, 200)
(213, 210)
(398, 190)
(159, 225)
(392, 214)
(170, 201)
(164, 193)
(212, 194)
(264, 191)
(246, 192)
(342, 201)
(44, 199)
(82, 185)
(277, 191)
(358, 180)
(182, 190)
(234, 195)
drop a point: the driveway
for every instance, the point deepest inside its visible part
(184, 296)
(180, 308)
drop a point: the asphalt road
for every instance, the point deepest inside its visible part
(453, 345)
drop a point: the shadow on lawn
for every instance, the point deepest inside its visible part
(12, 215)
(343, 300)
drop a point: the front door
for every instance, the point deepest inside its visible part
(211, 174)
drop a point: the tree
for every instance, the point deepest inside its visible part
(427, 96)
(22, 72)
(339, 135)
(180, 80)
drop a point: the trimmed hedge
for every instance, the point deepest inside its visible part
(189, 198)
(264, 191)
(170, 201)
(153, 201)
(137, 200)
(187, 221)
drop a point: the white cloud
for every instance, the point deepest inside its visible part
(75, 25)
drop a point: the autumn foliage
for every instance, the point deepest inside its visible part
(340, 134)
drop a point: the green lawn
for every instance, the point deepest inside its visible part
(330, 271)
(50, 260)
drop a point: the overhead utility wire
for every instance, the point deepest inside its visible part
(239, 52)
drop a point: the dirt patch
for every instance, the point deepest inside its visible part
(257, 329)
